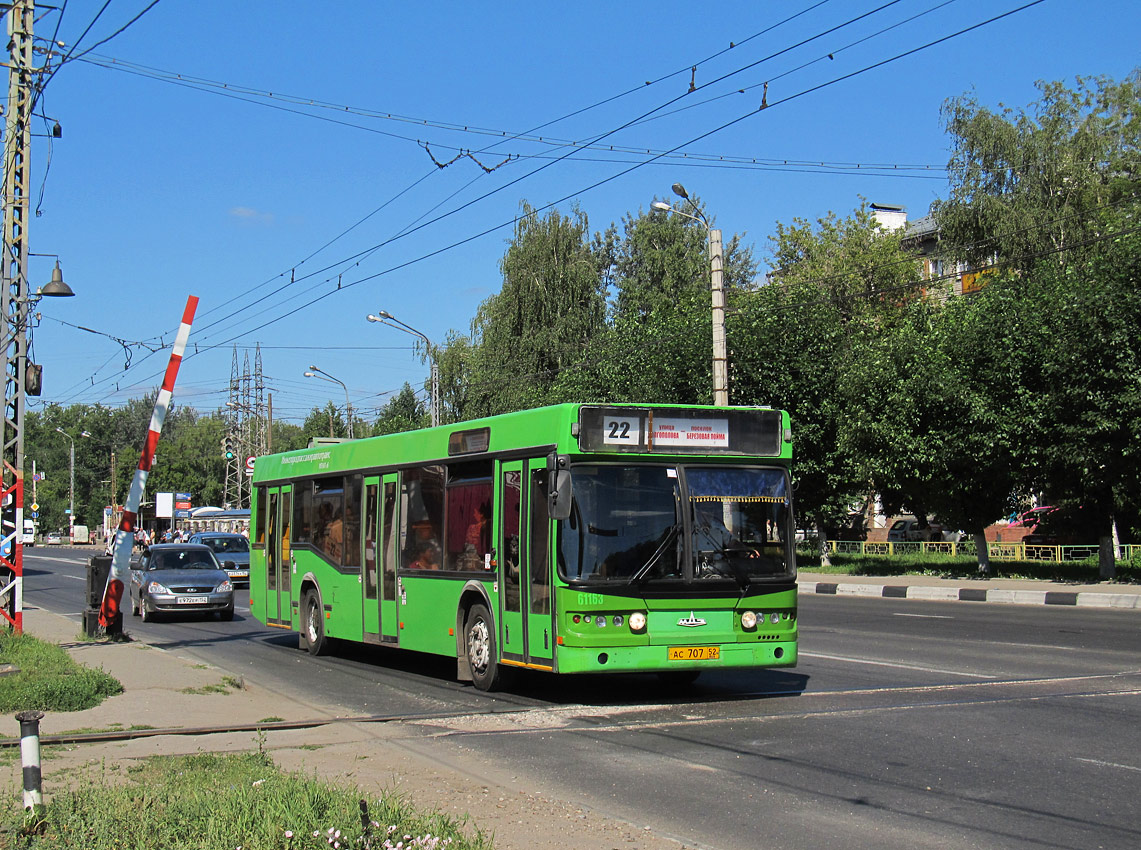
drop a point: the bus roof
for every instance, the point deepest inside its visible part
(553, 428)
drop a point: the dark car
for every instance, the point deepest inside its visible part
(233, 550)
(1064, 526)
(179, 578)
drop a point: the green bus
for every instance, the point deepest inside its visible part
(575, 538)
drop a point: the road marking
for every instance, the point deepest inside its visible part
(897, 666)
(924, 616)
(1110, 764)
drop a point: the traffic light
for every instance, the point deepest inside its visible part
(228, 447)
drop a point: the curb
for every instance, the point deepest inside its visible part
(1085, 599)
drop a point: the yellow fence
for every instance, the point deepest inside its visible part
(966, 548)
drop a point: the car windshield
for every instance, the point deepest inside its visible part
(227, 544)
(183, 559)
(633, 525)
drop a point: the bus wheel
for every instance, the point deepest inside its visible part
(479, 638)
(313, 625)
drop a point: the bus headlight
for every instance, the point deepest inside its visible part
(748, 620)
(637, 621)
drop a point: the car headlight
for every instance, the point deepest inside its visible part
(748, 620)
(224, 587)
(155, 587)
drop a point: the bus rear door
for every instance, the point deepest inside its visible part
(378, 570)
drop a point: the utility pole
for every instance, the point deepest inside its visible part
(14, 283)
(720, 352)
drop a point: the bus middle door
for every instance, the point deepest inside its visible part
(278, 561)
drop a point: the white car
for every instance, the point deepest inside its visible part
(908, 530)
(53, 539)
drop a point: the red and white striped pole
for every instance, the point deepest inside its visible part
(125, 536)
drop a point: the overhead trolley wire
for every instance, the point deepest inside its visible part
(632, 167)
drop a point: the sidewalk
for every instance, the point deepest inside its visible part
(1005, 591)
(167, 705)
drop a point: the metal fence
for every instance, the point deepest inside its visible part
(966, 548)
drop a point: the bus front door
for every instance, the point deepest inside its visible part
(526, 630)
(277, 557)
(512, 634)
(540, 619)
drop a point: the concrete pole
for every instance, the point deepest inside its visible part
(720, 350)
(435, 398)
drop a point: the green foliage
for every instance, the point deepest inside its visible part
(228, 800)
(1027, 184)
(657, 344)
(48, 679)
(402, 412)
(796, 344)
(541, 322)
(188, 457)
(324, 421)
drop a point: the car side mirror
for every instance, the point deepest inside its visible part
(229, 564)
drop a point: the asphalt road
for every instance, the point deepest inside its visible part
(906, 724)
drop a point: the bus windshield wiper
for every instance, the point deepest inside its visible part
(652, 561)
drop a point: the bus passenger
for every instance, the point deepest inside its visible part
(428, 557)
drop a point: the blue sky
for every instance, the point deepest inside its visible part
(225, 149)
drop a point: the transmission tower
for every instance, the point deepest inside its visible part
(246, 419)
(232, 494)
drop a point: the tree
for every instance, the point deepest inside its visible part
(324, 421)
(550, 308)
(1052, 196)
(403, 412)
(1029, 185)
(658, 341)
(792, 346)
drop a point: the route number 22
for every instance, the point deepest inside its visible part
(622, 432)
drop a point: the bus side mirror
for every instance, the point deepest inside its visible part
(559, 502)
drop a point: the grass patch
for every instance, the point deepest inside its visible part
(214, 800)
(965, 567)
(49, 680)
(227, 684)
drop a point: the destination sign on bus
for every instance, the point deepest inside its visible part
(680, 431)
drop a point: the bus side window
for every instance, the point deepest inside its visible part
(540, 548)
(422, 517)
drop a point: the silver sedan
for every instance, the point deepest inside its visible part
(180, 578)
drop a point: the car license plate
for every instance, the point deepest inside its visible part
(238, 573)
(193, 600)
(694, 653)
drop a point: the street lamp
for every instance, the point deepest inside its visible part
(716, 285)
(318, 373)
(386, 318)
(71, 487)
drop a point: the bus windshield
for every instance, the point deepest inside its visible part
(690, 524)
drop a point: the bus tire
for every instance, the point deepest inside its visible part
(313, 624)
(479, 644)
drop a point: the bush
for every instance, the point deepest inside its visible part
(49, 680)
